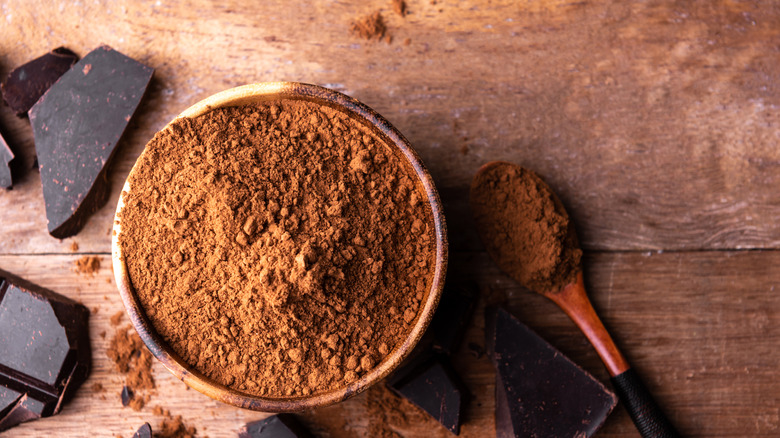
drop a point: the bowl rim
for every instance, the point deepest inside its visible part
(259, 92)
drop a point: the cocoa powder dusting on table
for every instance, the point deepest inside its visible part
(281, 249)
(133, 359)
(87, 265)
(370, 27)
(526, 230)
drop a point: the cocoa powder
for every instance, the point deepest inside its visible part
(525, 228)
(87, 265)
(281, 249)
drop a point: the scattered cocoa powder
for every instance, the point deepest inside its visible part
(390, 416)
(136, 403)
(116, 318)
(74, 246)
(525, 228)
(399, 6)
(281, 249)
(87, 265)
(134, 360)
(370, 27)
(97, 387)
(172, 427)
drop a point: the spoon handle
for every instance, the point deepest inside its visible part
(647, 416)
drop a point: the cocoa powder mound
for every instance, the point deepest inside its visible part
(281, 249)
(525, 228)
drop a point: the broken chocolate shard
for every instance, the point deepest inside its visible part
(27, 83)
(144, 431)
(44, 350)
(539, 391)
(126, 395)
(276, 426)
(453, 314)
(6, 155)
(77, 125)
(434, 387)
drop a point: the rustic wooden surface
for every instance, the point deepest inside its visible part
(657, 123)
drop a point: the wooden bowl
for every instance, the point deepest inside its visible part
(290, 90)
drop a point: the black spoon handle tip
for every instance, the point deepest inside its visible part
(647, 416)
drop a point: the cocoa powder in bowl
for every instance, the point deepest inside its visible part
(281, 249)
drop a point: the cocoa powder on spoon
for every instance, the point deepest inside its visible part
(529, 232)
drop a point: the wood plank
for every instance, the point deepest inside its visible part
(656, 122)
(701, 327)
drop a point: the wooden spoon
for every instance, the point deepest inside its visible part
(572, 298)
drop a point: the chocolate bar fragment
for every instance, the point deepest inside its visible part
(6, 155)
(539, 391)
(434, 387)
(77, 125)
(44, 350)
(26, 84)
(452, 317)
(126, 395)
(144, 431)
(276, 426)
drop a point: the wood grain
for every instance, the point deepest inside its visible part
(656, 123)
(701, 328)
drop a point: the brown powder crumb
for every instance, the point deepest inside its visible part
(407, 41)
(87, 265)
(172, 427)
(136, 403)
(370, 27)
(524, 227)
(97, 387)
(74, 246)
(103, 334)
(132, 359)
(399, 6)
(117, 318)
(95, 310)
(269, 243)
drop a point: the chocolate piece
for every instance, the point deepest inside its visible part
(6, 155)
(44, 350)
(453, 315)
(144, 431)
(26, 84)
(434, 387)
(276, 426)
(539, 391)
(126, 395)
(77, 125)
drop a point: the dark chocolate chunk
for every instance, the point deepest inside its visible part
(126, 395)
(276, 426)
(434, 387)
(44, 350)
(77, 125)
(539, 391)
(26, 84)
(144, 431)
(452, 317)
(6, 155)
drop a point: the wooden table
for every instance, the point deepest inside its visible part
(658, 124)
